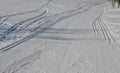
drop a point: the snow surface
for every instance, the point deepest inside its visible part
(59, 36)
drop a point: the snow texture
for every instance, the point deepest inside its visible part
(59, 36)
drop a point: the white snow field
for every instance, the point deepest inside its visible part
(59, 36)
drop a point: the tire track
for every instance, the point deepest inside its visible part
(106, 33)
(21, 64)
(14, 27)
(94, 23)
(53, 20)
(6, 17)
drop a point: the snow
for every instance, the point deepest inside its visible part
(59, 36)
